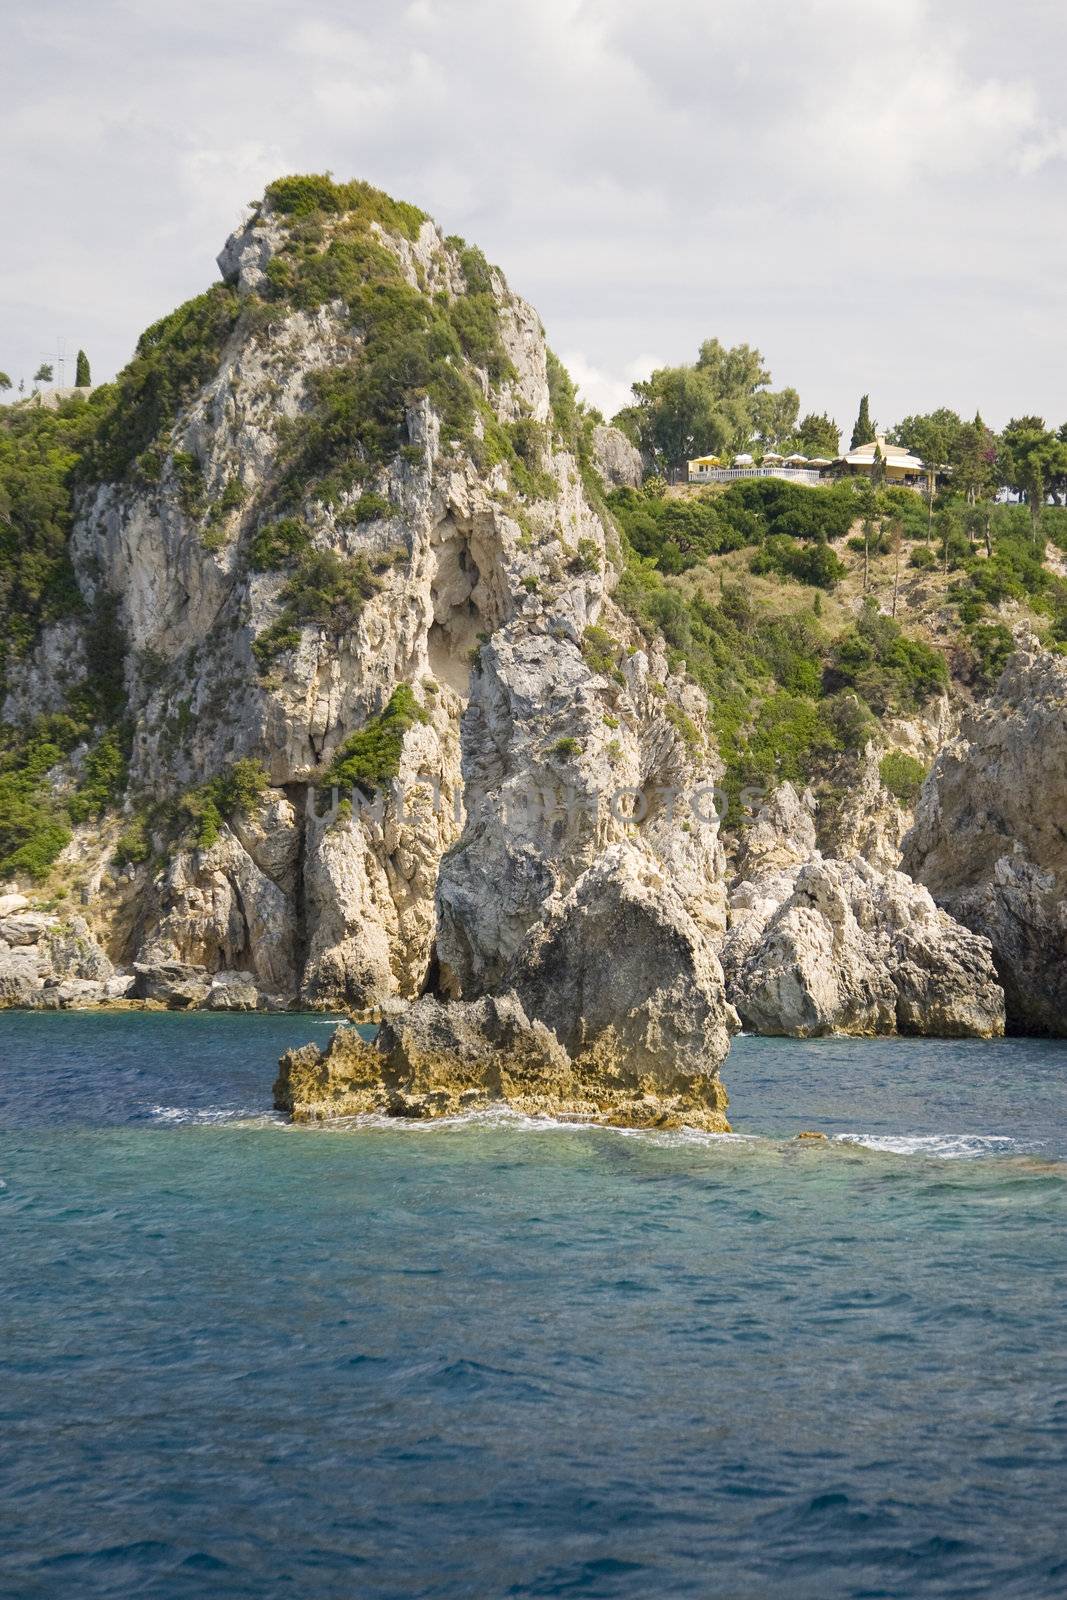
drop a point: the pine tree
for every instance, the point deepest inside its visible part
(863, 432)
(81, 374)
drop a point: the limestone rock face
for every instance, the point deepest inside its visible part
(989, 840)
(490, 604)
(50, 963)
(868, 822)
(625, 979)
(837, 947)
(616, 459)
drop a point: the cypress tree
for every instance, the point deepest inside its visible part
(81, 375)
(863, 432)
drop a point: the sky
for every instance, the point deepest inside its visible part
(872, 193)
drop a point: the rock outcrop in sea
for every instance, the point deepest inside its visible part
(344, 597)
(364, 579)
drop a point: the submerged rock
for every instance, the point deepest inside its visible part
(989, 840)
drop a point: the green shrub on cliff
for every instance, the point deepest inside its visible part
(371, 757)
(327, 591)
(302, 195)
(815, 564)
(233, 792)
(902, 775)
(893, 673)
(277, 544)
(103, 778)
(39, 455)
(174, 357)
(679, 533)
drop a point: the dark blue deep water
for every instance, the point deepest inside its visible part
(498, 1359)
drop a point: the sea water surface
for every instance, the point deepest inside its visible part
(497, 1358)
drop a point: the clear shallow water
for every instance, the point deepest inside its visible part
(500, 1358)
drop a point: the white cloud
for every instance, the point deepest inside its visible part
(845, 185)
(608, 391)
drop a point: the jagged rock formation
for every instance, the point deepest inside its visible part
(822, 946)
(613, 1010)
(365, 553)
(50, 964)
(989, 840)
(387, 733)
(617, 460)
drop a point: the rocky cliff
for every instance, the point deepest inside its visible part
(342, 688)
(989, 839)
(381, 713)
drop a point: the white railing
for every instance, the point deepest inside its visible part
(731, 474)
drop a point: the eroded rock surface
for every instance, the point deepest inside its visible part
(818, 946)
(50, 963)
(990, 840)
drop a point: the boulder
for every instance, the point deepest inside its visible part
(232, 991)
(174, 984)
(848, 949)
(49, 962)
(628, 983)
(989, 840)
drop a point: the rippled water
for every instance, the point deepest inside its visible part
(499, 1357)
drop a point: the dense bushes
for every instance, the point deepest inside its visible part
(799, 510)
(902, 775)
(305, 194)
(891, 672)
(278, 543)
(812, 563)
(39, 453)
(680, 533)
(371, 757)
(174, 357)
(234, 791)
(33, 827)
(326, 591)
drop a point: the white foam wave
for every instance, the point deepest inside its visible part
(208, 1115)
(946, 1146)
(506, 1117)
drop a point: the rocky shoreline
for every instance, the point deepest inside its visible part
(398, 744)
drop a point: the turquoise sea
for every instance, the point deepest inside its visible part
(499, 1358)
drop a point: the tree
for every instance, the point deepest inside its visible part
(43, 373)
(1032, 456)
(972, 458)
(81, 372)
(895, 535)
(818, 436)
(720, 403)
(932, 436)
(775, 417)
(674, 417)
(863, 432)
(5, 382)
(878, 467)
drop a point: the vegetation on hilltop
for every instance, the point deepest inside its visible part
(720, 402)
